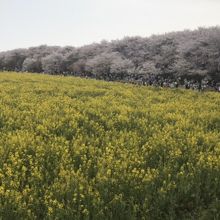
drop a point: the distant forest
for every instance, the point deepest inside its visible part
(177, 55)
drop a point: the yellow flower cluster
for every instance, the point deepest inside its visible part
(72, 148)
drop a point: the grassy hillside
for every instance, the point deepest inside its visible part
(73, 148)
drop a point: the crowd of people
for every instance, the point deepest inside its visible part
(200, 85)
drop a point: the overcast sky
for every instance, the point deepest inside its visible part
(26, 23)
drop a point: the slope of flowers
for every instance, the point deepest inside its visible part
(72, 148)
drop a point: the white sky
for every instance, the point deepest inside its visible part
(26, 23)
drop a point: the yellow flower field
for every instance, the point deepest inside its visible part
(74, 148)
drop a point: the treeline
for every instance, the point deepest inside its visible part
(183, 55)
